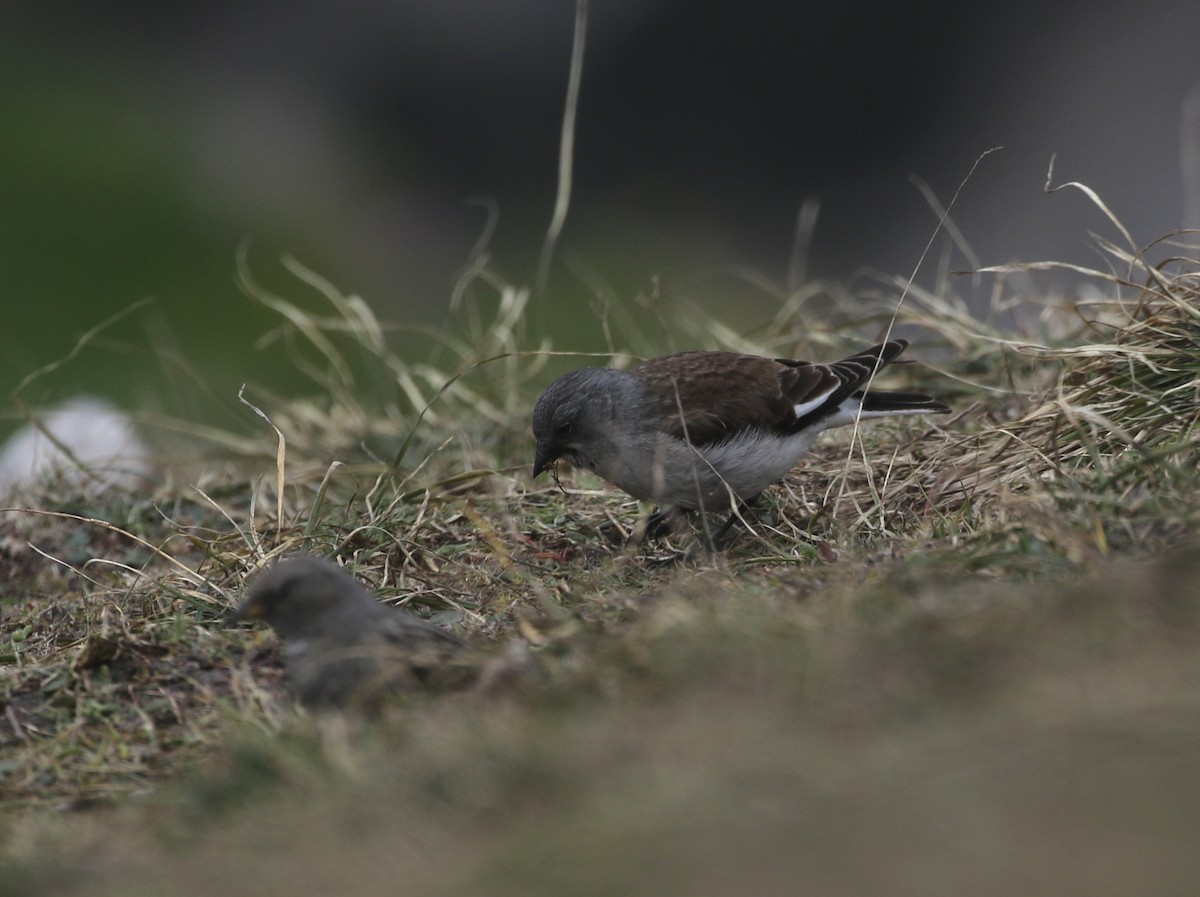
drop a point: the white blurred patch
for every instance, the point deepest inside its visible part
(108, 453)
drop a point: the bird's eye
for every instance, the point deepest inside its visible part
(564, 429)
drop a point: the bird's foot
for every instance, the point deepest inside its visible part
(659, 524)
(665, 521)
(727, 533)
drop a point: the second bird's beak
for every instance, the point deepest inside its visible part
(245, 611)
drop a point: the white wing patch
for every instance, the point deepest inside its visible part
(813, 404)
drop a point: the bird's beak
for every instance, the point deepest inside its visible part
(544, 460)
(247, 610)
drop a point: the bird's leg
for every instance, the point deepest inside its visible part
(718, 541)
(657, 525)
(660, 523)
(718, 538)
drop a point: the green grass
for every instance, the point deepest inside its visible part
(951, 657)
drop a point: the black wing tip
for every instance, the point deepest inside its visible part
(875, 358)
(887, 352)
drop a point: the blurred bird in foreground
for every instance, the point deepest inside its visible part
(342, 647)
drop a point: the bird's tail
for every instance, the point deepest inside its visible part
(879, 402)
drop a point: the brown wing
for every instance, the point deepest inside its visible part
(710, 396)
(838, 381)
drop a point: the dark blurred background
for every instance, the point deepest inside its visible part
(143, 142)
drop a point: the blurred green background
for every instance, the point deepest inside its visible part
(103, 217)
(143, 144)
